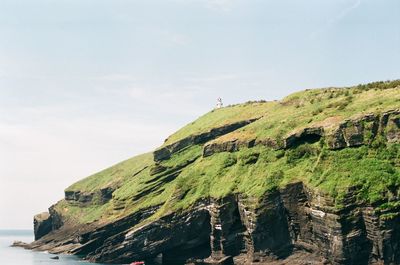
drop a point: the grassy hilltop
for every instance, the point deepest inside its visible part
(253, 170)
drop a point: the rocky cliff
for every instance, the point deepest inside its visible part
(311, 179)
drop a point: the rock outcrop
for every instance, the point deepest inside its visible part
(391, 121)
(166, 152)
(244, 230)
(352, 132)
(42, 225)
(326, 193)
(160, 238)
(77, 196)
(356, 132)
(239, 229)
(348, 133)
(100, 196)
(228, 146)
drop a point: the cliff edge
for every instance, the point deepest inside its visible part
(311, 179)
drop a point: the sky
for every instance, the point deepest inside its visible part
(85, 84)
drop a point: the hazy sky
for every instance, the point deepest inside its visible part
(87, 83)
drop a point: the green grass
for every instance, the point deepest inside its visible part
(220, 117)
(74, 213)
(183, 156)
(374, 171)
(113, 176)
(316, 107)
(259, 170)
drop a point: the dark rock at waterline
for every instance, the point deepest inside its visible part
(19, 244)
(42, 224)
(295, 221)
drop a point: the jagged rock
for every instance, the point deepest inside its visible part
(364, 130)
(226, 228)
(335, 139)
(85, 197)
(19, 244)
(267, 235)
(228, 146)
(157, 168)
(43, 224)
(163, 153)
(360, 131)
(159, 237)
(393, 126)
(56, 219)
(106, 194)
(242, 229)
(71, 195)
(102, 196)
(353, 133)
(78, 196)
(349, 133)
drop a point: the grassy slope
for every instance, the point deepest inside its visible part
(308, 108)
(220, 117)
(113, 176)
(258, 170)
(126, 174)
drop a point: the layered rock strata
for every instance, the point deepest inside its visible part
(295, 221)
(166, 152)
(243, 230)
(348, 133)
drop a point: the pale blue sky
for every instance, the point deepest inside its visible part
(87, 83)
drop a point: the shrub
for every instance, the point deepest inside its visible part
(250, 158)
(229, 161)
(302, 151)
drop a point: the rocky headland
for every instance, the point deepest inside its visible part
(311, 179)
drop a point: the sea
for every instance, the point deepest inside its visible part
(19, 256)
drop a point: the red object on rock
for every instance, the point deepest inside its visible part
(137, 263)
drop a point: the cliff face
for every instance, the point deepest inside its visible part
(287, 222)
(249, 189)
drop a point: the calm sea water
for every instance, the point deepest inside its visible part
(19, 256)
